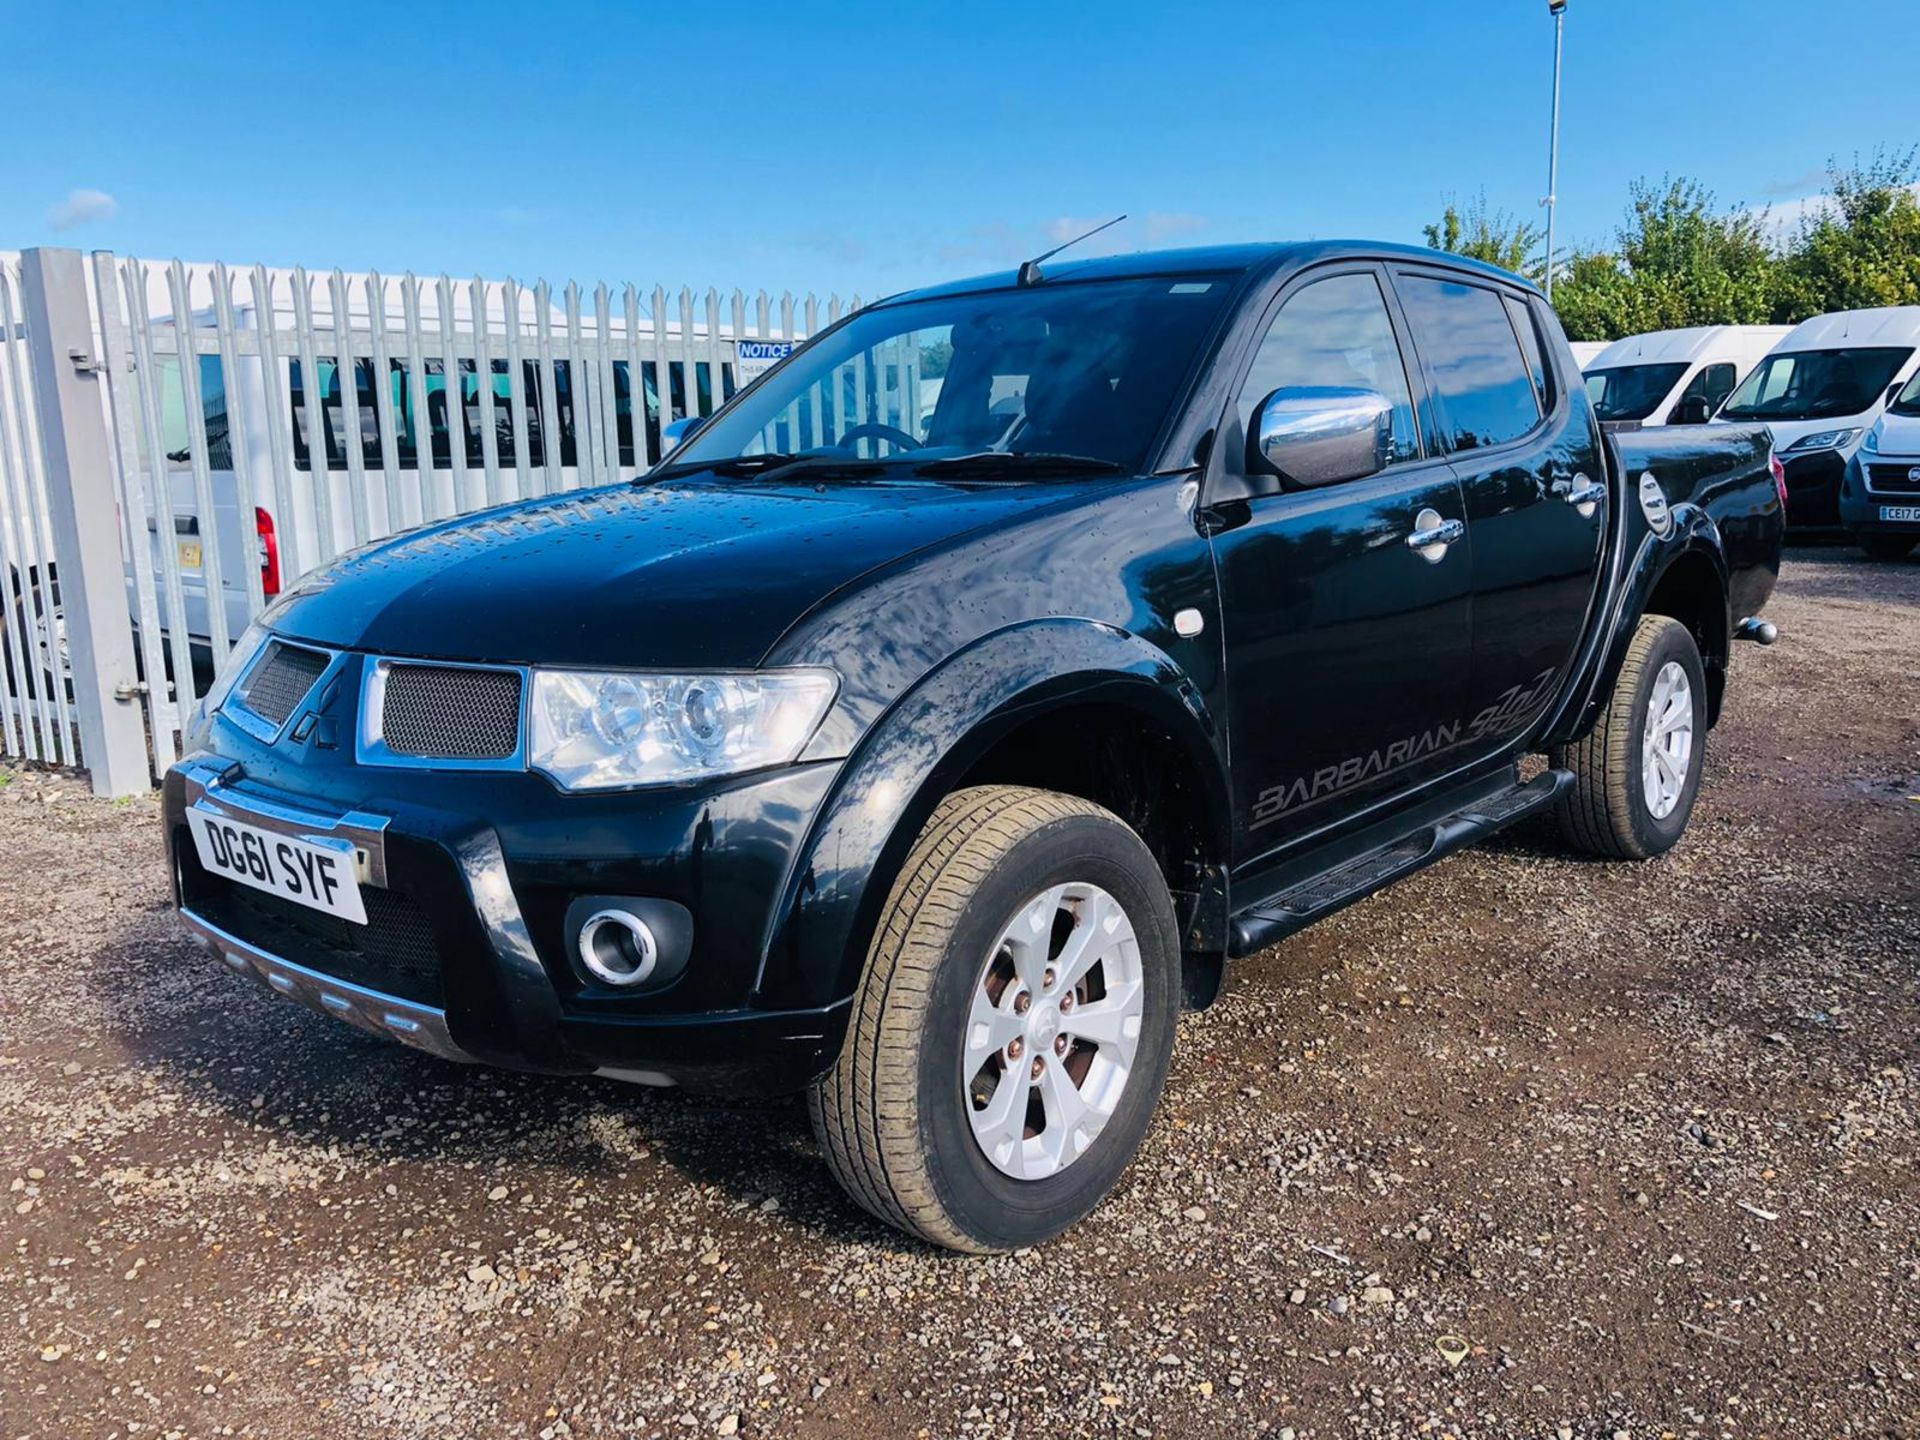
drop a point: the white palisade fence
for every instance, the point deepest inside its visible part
(232, 428)
(36, 721)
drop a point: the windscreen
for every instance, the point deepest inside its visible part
(1907, 402)
(1812, 384)
(1088, 369)
(1630, 392)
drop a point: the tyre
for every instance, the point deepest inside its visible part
(1637, 773)
(1012, 1031)
(1887, 547)
(40, 622)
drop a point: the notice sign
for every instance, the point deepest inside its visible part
(753, 358)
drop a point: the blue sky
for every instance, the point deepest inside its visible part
(867, 147)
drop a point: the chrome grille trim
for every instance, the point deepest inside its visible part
(1893, 477)
(416, 748)
(288, 682)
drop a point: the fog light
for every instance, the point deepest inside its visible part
(618, 948)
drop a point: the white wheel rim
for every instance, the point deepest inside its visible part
(1666, 745)
(1052, 1028)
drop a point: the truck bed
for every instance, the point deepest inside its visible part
(1723, 469)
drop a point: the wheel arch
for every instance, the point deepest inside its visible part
(1692, 588)
(1683, 575)
(1003, 711)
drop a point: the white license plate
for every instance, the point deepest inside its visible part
(318, 876)
(1900, 512)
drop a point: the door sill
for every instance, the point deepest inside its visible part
(1305, 898)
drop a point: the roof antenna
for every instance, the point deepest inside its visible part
(1030, 270)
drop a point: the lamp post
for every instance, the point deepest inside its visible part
(1558, 9)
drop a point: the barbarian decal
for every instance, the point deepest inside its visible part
(1512, 710)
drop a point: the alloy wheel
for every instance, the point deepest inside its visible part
(1052, 1030)
(1666, 748)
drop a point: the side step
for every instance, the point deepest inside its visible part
(1278, 916)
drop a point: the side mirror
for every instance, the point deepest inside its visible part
(678, 432)
(1893, 390)
(1693, 410)
(1320, 434)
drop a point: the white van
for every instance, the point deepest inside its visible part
(1675, 377)
(1819, 391)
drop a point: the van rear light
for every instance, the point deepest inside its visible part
(269, 552)
(1779, 473)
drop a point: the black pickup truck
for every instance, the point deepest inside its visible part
(955, 704)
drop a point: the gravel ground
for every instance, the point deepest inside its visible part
(1526, 1146)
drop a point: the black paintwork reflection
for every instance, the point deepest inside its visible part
(1723, 470)
(1535, 562)
(1340, 642)
(688, 573)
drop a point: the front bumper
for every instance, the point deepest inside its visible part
(1813, 489)
(464, 954)
(1881, 496)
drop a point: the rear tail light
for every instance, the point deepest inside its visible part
(269, 552)
(1779, 473)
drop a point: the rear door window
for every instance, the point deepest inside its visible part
(1528, 330)
(1486, 395)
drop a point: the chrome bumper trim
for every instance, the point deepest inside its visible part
(210, 785)
(388, 1016)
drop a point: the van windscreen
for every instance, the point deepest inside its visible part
(1629, 392)
(1816, 384)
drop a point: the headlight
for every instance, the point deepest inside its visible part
(1824, 440)
(601, 730)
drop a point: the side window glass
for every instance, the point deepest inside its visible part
(174, 429)
(1529, 333)
(1718, 384)
(1335, 332)
(1486, 397)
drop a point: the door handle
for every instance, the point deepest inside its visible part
(1583, 494)
(1431, 535)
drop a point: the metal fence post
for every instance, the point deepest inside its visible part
(68, 377)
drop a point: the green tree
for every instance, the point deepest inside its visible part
(1596, 297)
(1677, 261)
(1861, 249)
(1480, 233)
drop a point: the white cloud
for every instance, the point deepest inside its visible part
(1169, 226)
(1155, 228)
(1782, 220)
(82, 207)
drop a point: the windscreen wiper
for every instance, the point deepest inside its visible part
(732, 465)
(825, 467)
(1017, 462)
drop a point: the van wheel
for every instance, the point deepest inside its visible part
(1012, 1032)
(1887, 547)
(40, 620)
(1637, 772)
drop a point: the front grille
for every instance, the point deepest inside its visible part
(394, 953)
(450, 712)
(282, 679)
(1894, 479)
